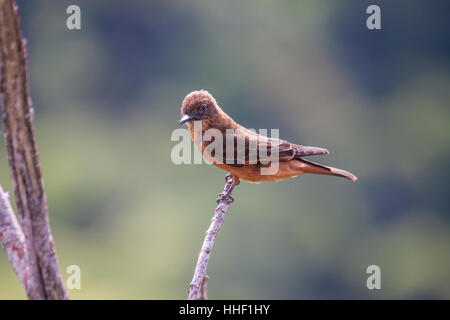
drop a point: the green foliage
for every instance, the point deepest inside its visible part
(107, 99)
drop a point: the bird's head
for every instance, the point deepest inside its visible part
(199, 105)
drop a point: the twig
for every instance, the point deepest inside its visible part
(203, 293)
(45, 280)
(13, 240)
(197, 287)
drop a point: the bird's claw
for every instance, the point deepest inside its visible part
(226, 196)
(228, 177)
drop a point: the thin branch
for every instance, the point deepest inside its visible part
(197, 287)
(13, 240)
(46, 281)
(203, 293)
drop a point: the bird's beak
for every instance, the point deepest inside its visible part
(186, 118)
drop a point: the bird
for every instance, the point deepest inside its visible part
(201, 106)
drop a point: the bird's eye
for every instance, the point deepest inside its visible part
(204, 107)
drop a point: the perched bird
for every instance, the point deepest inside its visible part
(201, 106)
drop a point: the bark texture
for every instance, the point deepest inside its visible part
(44, 281)
(13, 240)
(198, 285)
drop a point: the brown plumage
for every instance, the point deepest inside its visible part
(200, 105)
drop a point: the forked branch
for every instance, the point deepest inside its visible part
(44, 279)
(13, 240)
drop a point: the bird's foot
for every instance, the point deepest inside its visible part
(226, 196)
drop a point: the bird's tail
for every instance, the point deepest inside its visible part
(312, 167)
(304, 151)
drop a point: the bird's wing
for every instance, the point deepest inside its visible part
(250, 147)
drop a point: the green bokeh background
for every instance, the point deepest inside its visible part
(108, 97)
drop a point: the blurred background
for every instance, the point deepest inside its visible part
(108, 96)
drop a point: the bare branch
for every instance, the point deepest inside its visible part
(197, 288)
(24, 159)
(203, 293)
(13, 240)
